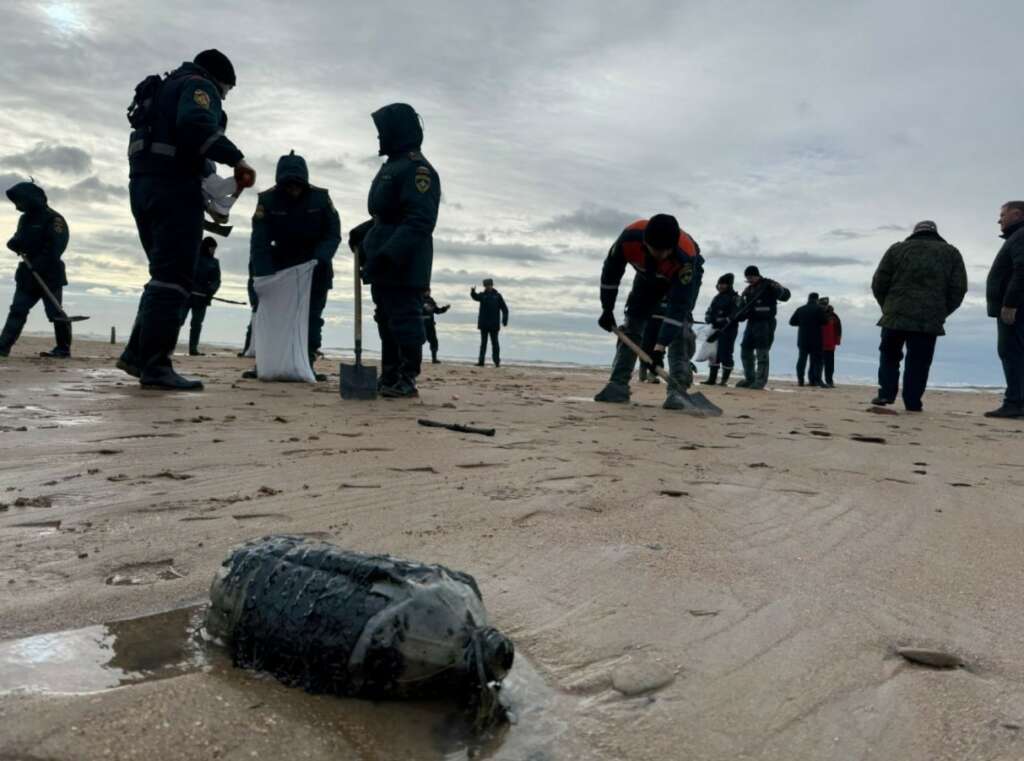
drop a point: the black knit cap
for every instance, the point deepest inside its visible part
(751, 271)
(218, 65)
(728, 279)
(662, 232)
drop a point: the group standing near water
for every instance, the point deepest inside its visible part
(178, 136)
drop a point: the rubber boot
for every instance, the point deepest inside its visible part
(726, 372)
(433, 358)
(62, 332)
(613, 393)
(761, 379)
(193, 341)
(320, 377)
(1007, 410)
(674, 401)
(160, 317)
(712, 377)
(747, 358)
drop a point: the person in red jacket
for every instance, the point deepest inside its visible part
(831, 337)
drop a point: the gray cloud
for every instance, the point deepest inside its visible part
(590, 219)
(841, 233)
(8, 179)
(90, 190)
(508, 252)
(65, 159)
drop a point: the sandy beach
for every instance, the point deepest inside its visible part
(677, 588)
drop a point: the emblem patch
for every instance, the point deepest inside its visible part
(686, 274)
(259, 213)
(422, 182)
(202, 98)
(59, 226)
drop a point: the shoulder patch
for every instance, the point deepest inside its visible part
(59, 225)
(423, 181)
(686, 273)
(260, 212)
(202, 98)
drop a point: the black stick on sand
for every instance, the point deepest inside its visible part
(456, 427)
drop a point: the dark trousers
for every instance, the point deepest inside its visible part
(168, 214)
(815, 358)
(198, 308)
(1011, 353)
(317, 303)
(829, 358)
(725, 352)
(27, 294)
(399, 317)
(431, 330)
(920, 348)
(495, 347)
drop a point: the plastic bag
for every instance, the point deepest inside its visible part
(281, 324)
(707, 352)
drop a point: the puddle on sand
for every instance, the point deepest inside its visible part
(30, 413)
(171, 644)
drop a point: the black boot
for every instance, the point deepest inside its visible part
(11, 331)
(712, 376)
(62, 332)
(160, 317)
(726, 372)
(433, 358)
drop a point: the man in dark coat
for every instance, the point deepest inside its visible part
(1004, 295)
(918, 284)
(207, 283)
(177, 128)
(41, 237)
(396, 247)
(295, 223)
(719, 317)
(759, 304)
(493, 316)
(430, 310)
(809, 320)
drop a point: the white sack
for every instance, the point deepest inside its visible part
(281, 324)
(708, 352)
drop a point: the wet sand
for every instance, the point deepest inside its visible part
(680, 588)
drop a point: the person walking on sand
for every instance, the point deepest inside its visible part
(809, 320)
(430, 309)
(831, 337)
(493, 316)
(668, 267)
(720, 317)
(919, 283)
(207, 283)
(1004, 295)
(759, 305)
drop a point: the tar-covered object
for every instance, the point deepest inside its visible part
(373, 626)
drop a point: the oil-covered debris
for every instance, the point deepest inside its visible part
(374, 626)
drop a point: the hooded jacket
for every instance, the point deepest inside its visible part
(396, 245)
(288, 231)
(919, 283)
(723, 306)
(493, 312)
(760, 301)
(1005, 284)
(809, 320)
(186, 128)
(42, 236)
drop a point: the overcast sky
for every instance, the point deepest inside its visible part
(805, 137)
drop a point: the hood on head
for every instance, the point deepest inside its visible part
(398, 129)
(292, 167)
(27, 196)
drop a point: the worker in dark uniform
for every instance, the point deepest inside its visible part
(41, 237)
(396, 246)
(668, 267)
(207, 283)
(809, 320)
(719, 316)
(430, 309)
(294, 223)
(759, 304)
(178, 126)
(491, 318)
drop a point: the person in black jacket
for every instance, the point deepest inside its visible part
(177, 128)
(492, 317)
(430, 309)
(207, 283)
(719, 316)
(809, 320)
(1004, 296)
(396, 247)
(41, 237)
(759, 304)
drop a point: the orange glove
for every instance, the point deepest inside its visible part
(245, 176)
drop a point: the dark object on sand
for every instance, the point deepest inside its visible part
(372, 626)
(934, 658)
(456, 427)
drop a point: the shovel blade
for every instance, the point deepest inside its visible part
(702, 406)
(358, 382)
(75, 318)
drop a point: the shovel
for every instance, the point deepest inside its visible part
(358, 381)
(53, 299)
(696, 404)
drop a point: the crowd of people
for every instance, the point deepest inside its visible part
(178, 136)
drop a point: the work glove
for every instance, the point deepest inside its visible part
(657, 359)
(607, 321)
(245, 176)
